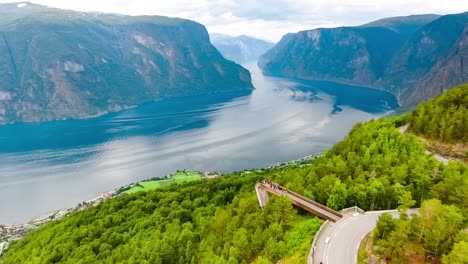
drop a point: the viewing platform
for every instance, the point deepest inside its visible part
(263, 190)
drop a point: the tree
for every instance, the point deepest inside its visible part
(459, 254)
(405, 200)
(437, 226)
(395, 245)
(280, 210)
(453, 189)
(385, 225)
(338, 196)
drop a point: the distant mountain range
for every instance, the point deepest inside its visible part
(414, 57)
(59, 64)
(240, 49)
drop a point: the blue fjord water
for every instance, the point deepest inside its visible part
(52, 165)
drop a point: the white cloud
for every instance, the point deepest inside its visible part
(268, 19)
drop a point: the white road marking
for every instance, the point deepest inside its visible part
(328, 238)
(370, 216)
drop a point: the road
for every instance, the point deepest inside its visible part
(339, 242)
(436, 156)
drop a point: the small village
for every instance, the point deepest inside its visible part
(10, 233)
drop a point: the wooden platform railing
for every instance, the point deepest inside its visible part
(305, 203)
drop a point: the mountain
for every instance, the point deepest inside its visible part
(240, 49)
(219, 220)
(353, 55)
(60, 64)
(414, 57)
(430, 61)
(403, 24)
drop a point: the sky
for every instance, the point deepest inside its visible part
(266, 19)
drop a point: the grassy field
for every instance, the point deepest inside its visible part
(179, 177)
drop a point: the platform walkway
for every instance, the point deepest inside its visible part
(264, 189)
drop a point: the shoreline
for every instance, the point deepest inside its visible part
(14, 232)
(117, 191)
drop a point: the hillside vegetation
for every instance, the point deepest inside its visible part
(444, 118)
(439, 232)
(219, 221)
(210, 221)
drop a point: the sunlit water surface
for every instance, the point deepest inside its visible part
(54, 165)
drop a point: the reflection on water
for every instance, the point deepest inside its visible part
(58, 164)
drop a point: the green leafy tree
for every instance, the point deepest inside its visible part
(338, 196)
(459, 254)
(385, 226)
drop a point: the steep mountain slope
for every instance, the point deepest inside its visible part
(431, 60)
(354, 55)
(240, 49)
(406, 25)
(60, 64)
(414, 57)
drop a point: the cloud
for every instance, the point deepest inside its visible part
(268, 19)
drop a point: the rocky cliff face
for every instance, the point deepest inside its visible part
(355, 55)
(240, 49)
(430, 61)
(59, 64)
(414, 57)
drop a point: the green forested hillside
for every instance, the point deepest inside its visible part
(219, 221)
(439, 232)
(372, 168)
(210, 221)
(444, 118)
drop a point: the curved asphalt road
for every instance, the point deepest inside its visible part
(339, 242)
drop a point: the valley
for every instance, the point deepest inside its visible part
(414, 57)
(63, 64)
(130, 137)
(66, 162)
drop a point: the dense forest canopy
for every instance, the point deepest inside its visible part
(437, 232)
(209, 221)
(219, 221)
(444, 118)
(440, 231)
